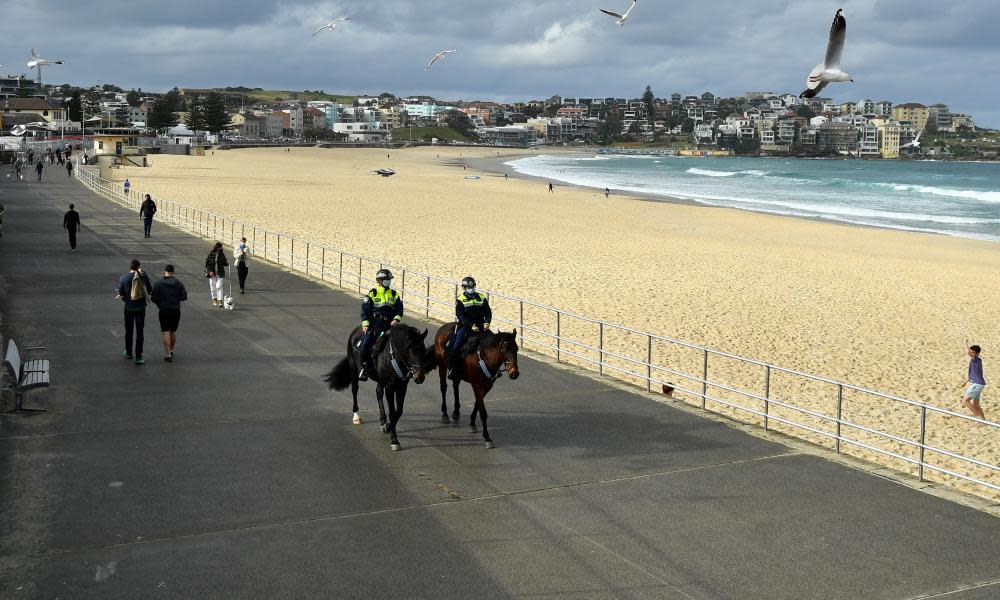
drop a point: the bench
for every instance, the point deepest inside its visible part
(25, 375)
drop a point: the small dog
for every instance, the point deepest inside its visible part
(229, 303)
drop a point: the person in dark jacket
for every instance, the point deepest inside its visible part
(71, 223)
(473, 312)
(134, 290)
(215, 266)
(168, 293)
(146, 211)
(381, 309)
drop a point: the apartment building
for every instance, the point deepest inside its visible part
(913, 112)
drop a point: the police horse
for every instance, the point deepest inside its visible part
(486, 358)
(396, 359)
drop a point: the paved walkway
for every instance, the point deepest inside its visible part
(234, 473)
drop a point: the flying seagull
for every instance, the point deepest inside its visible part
(38, 61)
(829, 70)
(438, 57)
(621, 18)
(915, 143)
(331, 25)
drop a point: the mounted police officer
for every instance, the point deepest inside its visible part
(381, 309)
(473, 312)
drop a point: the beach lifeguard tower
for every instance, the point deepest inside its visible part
(117, 147)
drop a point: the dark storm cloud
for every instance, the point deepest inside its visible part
(901, 50)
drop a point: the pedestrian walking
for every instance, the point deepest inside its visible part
(168, 293)
(146, 211)
(69, 169)
(59, 156)
(215, 270)
(240, 254)
(18, 165)
(607, 192)
(975, 381)
(38, 169)
(134, 291)
(71, 223)
(126, 187)
(550, 187)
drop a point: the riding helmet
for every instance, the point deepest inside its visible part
(383, 274)
(468, 282)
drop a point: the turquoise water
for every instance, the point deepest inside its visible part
(960, 199)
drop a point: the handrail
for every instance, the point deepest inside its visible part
(348, 272)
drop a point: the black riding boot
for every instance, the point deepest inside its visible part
(455, 365)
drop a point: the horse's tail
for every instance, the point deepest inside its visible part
(341, 375)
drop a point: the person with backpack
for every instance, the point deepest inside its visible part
(134, 289)
(146, 211)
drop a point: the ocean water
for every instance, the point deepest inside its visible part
(951, 198)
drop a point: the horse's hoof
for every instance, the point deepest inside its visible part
(357, 419)
(472, 429)
(395, 447)
(384, 428)
(454, 418)
(490, 446)
(445, 420)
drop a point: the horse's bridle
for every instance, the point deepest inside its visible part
(395, 362)
(505, 366)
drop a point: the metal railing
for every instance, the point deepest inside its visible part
(830, 413)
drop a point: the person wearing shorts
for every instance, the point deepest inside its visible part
(168, 293)
(975, 382)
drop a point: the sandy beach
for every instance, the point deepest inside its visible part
(877, 308)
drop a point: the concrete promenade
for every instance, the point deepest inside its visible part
(234, 473)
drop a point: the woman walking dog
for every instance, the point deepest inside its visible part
(215, 271)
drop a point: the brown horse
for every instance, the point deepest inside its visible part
(495, 353)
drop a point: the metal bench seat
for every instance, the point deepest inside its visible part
(25, 375)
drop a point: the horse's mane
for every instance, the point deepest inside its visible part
(488, 341)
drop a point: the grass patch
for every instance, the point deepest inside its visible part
(272, 95)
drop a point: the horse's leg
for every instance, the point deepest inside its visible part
(354, 394)
(394, 413)
(481, 409)
(456, 413)
(475, 411)
(383, 421)
(443, 376)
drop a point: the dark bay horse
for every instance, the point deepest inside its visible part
(403, 357)
(495, 353)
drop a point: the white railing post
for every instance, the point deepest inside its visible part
(840, 408)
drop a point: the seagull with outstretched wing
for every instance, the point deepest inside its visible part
(438, 57)
(38, 61)
(915, 143)
(829, 71)
(332, 24)
(621, 18)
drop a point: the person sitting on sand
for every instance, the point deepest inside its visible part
(974, 380)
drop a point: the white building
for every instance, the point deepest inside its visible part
(367, 133)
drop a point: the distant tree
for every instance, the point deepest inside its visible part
(216, 117)
(123, 116)
(91, 104)
(23, 91)
(108, 87)
(687, 126)
(532, 111)
(805, 111)
(196, 116)
(634, 128)
(609, 129)
(163, 113)
(133, 98)
(649, 100)
(551, 110)
(75, 107)
(459, 121)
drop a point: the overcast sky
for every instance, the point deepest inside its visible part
(900, 50)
